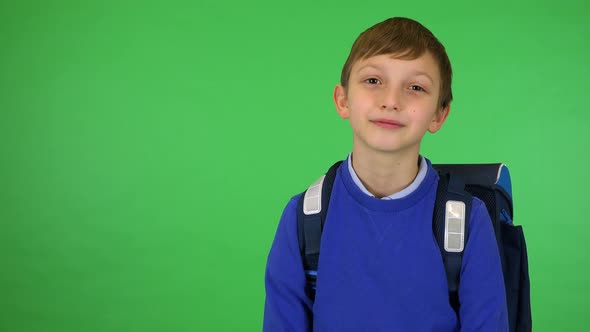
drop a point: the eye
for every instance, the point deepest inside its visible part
(416, 88)
(372, 80)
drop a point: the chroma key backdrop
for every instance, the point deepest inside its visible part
(148, 148)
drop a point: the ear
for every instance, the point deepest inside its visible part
(439, 119)
(341, 101)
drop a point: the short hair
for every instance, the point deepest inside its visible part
(407, 39)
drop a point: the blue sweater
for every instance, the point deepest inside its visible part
(380, 268)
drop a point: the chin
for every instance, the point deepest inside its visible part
(385, 148)
(379, 144)
(391, 147)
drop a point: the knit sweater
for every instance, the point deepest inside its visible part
(380, 268)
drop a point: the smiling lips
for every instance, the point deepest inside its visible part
(388, 124)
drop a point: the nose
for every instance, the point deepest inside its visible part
(392, 99)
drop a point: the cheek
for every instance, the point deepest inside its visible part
(427, 118)
(424, 109)
(360, 97)
(360, 104)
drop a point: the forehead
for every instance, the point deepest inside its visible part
(424, 64)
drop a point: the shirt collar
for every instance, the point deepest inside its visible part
(400, 194)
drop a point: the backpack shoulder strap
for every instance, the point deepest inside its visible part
(311, 216)
(450, 225)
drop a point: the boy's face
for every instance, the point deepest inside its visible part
(391, 103)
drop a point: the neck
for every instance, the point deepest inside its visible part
(384, 174)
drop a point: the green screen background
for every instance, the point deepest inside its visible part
(148, 148)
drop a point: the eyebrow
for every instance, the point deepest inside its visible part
(415, 72)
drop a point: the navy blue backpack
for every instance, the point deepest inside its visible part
(457, 186)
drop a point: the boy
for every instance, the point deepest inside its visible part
(380, 268)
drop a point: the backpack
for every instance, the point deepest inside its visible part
(457, 185)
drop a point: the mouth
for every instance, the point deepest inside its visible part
(387, 123)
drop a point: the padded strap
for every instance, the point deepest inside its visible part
(451, 189)
(311, 216)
